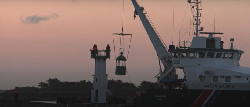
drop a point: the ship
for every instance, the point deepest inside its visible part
(213, 76)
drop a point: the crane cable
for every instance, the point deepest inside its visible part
(122, 25)
(122, 14)
(122, 43)
(184, 17)
(129, 45)
(151, 23)
(114, 44)
(183, 22)
(123, 37)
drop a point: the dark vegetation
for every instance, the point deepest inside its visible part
(53, 88)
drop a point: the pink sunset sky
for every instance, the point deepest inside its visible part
(42, 39)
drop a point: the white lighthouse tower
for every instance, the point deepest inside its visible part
(98, 94)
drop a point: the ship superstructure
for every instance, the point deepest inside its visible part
(206, 64)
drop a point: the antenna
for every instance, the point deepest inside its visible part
(214, 21)
(173, 25)
(179, 38)
(214, 14)
(232, 40)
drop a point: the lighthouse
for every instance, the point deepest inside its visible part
(98, 93)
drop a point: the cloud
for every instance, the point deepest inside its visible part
(34, 19)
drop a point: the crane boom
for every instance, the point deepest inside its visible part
(158, 44)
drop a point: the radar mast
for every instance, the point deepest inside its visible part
(196, 18)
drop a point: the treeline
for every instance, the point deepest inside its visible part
(55, 87)
(54, 84)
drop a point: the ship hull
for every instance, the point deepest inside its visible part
(193, 98)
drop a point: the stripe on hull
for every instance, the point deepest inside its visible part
(206, 98)
(211, 98)
(202, 98)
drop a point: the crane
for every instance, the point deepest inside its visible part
(161, 50)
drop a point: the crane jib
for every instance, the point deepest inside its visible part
(155, 39)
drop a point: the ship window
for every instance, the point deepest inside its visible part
(191, 55)
(183, 55)
(201, 54)
(239, 56)
(231, 56)
(176, 55)
(172, 54)
(235, 56)
(202, 78)
(224, 55)
(215, 78)
(228, 79)
(210, 55)
(218, 55)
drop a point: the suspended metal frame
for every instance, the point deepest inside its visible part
(121, 69)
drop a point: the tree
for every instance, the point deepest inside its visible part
(54, 83)
(147, 85)
(43, 85)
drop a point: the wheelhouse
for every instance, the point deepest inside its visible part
(206, 57)
(206, 53)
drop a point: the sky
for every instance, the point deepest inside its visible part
(42, 39)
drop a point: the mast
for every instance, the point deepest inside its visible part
(197, 20)
(197, 17)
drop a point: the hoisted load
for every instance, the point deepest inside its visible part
(121, 60)
(121, 65)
